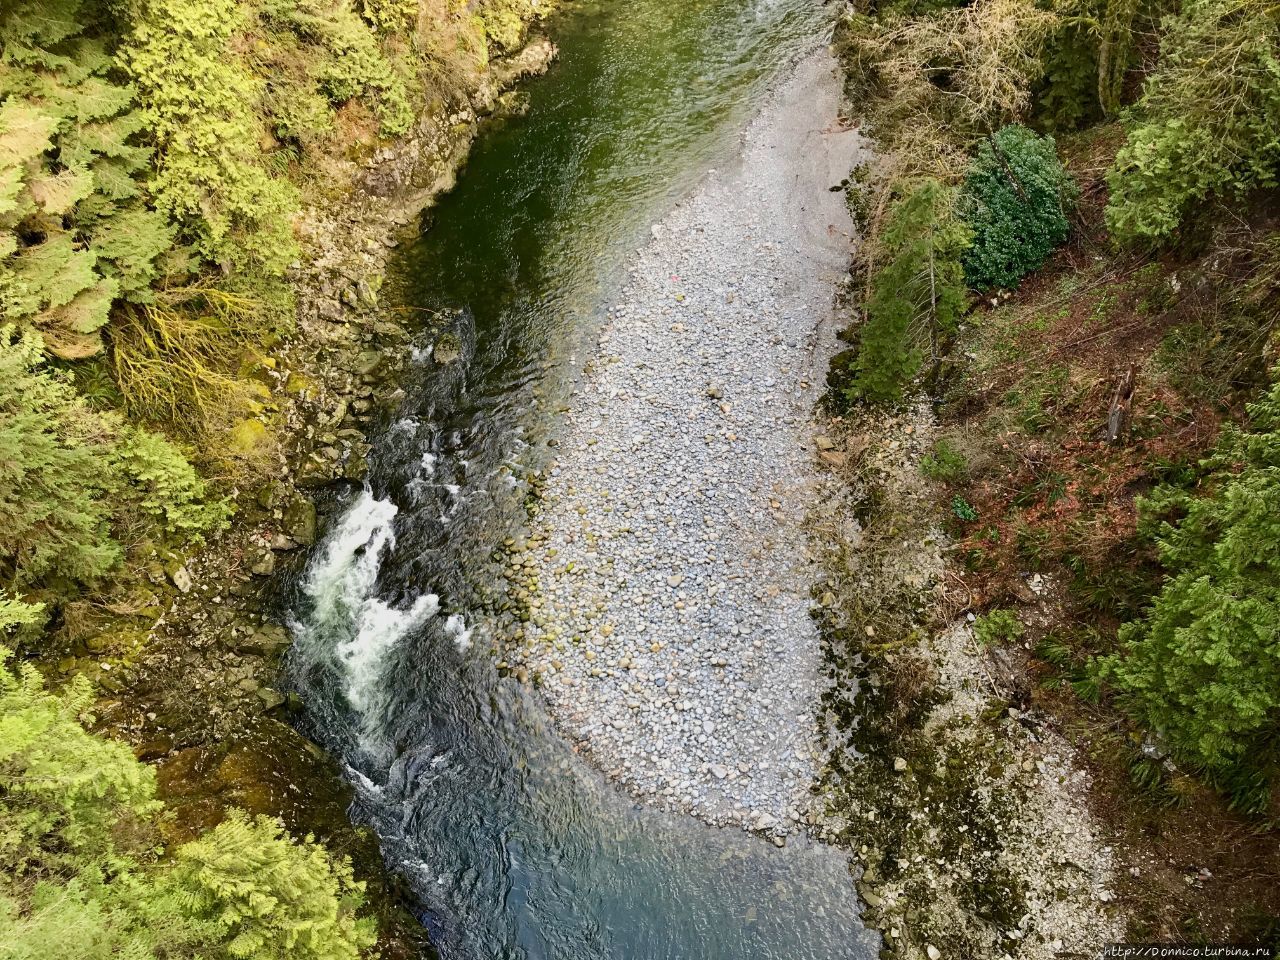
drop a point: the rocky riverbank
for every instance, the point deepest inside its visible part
(189, 675)
(668, 579)
(729, 598)
(968, 813)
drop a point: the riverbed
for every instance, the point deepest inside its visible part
(512, 844)
(672, 574)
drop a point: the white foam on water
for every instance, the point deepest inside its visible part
(341, 588)
(457, 628)
(361, 782)
(417, 488)
(379, 627)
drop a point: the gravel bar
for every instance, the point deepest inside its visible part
(670, 624)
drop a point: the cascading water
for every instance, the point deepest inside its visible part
(346, 619)
(511, 845)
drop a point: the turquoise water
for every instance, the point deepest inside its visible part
(511, 846)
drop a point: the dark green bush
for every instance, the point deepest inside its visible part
(1203, 666)
(917, 293)
(1014, 200)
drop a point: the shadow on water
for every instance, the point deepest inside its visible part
(512, 846)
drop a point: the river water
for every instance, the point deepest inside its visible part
(511, 845)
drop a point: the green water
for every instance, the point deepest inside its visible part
(646, 96)
(513, 847)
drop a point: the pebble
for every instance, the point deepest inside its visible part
(676, 516)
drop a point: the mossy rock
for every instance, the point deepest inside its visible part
(298, 383)
(299, 520)
(448, 348)
(249, 438)
(369, 362)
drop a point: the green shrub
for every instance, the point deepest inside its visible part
(944, 463)
(266, 895)
(389, 15)
(350, 65)
(917, 293)
(200, 105)
(55, 485)
(72, 478)
(163, 487)
(998, 626)
(79, 869)
(504, 21)
(1208, 123)
(1203, 666)
(76, 233)
(1013, 200)
(18, 613)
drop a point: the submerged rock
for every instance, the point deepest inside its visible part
(447, 349)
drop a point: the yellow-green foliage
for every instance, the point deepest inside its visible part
(151, 146)
(75, 229)
(121, 134)
(18, 613)
(81, 876)
(65, 791)
(389, 15)
(935, 84)
(176, 359)
(505, 20)
(354, 66)
(268, 896)
(318, 54)
(199, 105)
(74, 482)
(1208, 123)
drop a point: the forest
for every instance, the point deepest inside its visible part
(1071, 250)
(1069, 246)
(155, 158)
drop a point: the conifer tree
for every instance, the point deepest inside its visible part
(70, 476)
(1208, 123)
(1203, 667)
(917, 293)
(80, 874)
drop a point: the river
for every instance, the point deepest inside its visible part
(512, 846)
